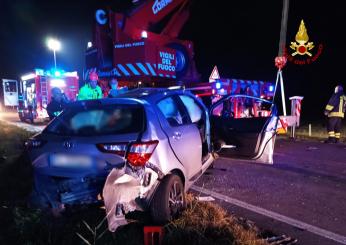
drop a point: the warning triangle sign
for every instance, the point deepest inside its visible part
(214, 75)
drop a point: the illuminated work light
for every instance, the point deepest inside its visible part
(144, 34)
(55, 46)
(57, 83)
(28, 76)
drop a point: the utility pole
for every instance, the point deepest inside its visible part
(281, 60)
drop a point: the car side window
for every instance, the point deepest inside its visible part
(224, 109)
(243, 107)
(194, 110)
(172, 112)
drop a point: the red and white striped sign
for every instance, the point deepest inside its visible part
(298, 108)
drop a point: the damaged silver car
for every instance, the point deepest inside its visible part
(139, 151)
(151, 143)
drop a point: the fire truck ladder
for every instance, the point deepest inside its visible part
(44, 92)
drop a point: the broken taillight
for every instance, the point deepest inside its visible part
(140, 153)
(115, 148)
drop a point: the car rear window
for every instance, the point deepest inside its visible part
(98, 120)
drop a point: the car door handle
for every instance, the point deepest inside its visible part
(176, 135)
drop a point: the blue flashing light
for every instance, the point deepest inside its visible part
(271, 88)
(57, 73)
(218, 85)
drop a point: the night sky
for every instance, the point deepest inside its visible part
(240, 37)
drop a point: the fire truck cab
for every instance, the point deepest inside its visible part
(35, 91)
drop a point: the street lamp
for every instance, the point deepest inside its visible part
(54, 45)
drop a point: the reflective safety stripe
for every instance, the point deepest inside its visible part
(336, 114)
(337, 135)
(341, 105)
(329, 107)
(331, 133)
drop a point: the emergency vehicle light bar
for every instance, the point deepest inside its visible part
(28, 76)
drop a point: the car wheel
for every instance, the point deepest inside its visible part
(169, 200)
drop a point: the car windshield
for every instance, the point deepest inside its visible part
(96, 120)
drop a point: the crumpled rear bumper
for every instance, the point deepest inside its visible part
(125, 191)
(54, 191)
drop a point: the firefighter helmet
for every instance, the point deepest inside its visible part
(338, 88)
(93, 76)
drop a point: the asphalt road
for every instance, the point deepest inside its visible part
(13, 118)
(303, 194)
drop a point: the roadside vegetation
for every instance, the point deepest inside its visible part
(201, 223)
(318, 131)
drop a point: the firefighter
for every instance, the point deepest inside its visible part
(335, 111)
(90, 90)
(115, 90)
(57, 104)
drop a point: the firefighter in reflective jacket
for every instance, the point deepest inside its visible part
(335, 111)
(90, 90)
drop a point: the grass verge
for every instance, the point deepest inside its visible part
(317, 132)
(207, 223)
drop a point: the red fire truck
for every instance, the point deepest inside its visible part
(212, 92)
(35, 91)
(141, 48)
(138, 49)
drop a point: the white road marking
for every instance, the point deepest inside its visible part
(228, 146)
(279, 154)
(313, 229)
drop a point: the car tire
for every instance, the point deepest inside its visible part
(31, 117)
(21, 118)
(169, 200)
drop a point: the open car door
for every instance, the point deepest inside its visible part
(244, 127)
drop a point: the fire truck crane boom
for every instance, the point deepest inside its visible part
(148, 14)
(142, 45)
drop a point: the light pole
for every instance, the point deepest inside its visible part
(54, 45)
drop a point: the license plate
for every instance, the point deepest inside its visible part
(70, 161)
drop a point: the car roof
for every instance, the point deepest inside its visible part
(148, 93)
(151, 95)
(135, 96)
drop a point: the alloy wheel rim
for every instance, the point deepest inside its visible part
(176, 199)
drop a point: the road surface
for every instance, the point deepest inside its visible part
(303, 194)
(13, 118)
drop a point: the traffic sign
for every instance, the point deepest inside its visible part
(214, 75)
